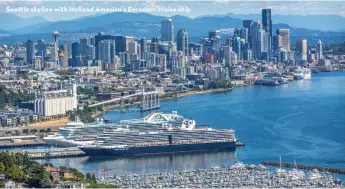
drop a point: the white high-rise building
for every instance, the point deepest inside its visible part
(319, 49)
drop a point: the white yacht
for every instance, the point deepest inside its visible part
(302, 73)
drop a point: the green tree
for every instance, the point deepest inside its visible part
(93, 177)
(15, 173)
(88, 176)
(2, 167)
(45, 182)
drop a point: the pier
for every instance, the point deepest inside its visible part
(51, 153)
(149, 101)
(305, 167)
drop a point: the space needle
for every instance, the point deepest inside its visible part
(56, 35)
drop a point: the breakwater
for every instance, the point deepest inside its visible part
(305, 167)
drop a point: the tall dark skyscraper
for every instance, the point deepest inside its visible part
(41, 49)
(267, 25)
(30, 51)
(76, 56)
(248, 24)
(182, 41)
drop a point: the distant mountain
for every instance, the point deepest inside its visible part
(312, 22)
(5, 33)
(146, 25)
(11, 21)
(89, 22)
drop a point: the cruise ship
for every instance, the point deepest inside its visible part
(167, 139)
(77, 133)
(302, 73)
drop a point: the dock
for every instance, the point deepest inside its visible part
(305, 167)
(51, 153)
(22, 145)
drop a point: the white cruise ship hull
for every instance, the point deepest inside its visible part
(62, 142)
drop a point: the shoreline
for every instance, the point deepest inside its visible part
(180, 95)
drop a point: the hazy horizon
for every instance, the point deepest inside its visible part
(197, 8)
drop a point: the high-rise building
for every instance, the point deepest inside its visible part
(41, 49)
(101, 36)
(213, 33)
(30, 51)
(285, 34)
(257, 39)
(86, 49)
(301, 48)
(248, 24)
(267, 26)
(36, 61)
(66, 53)
(107, 51)
(182, 41)
(167, 30)
(277, 43)
(143, 48)
(132, 47)
(236, 47)
(319, 49)
(227, 55)
(247, 55)
(76, 58)
(244, 34)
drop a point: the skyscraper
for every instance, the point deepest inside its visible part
(41, 49)
(319, 49)
(244, 34)
(101, 36)
(66, 53)
(267, 26)
(86, 50)
(167, 30)
(213, 33)
(76, 54)
(30, 51)
(277, 43)
(285, 34)
(107, 51)
(257, 39)
(301, 48)
(182, 41)
(248, 24)
(236, 46)
(132, 47)
(227, 55)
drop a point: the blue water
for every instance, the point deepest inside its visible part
(303, 120)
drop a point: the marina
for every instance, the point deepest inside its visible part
(236, 176)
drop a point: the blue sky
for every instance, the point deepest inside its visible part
(198, 8)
